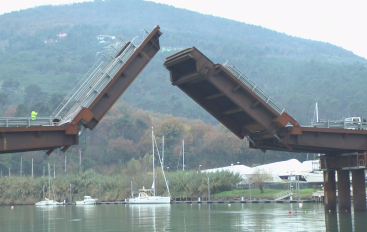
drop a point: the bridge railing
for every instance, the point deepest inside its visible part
(26, 121)
(96, 79)
(340, 124)
(256, 89)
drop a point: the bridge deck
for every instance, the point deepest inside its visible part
(220, 91)
(85, 105)
(225, 96)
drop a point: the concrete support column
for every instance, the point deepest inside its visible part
(329, 190)
(343, 190)
(359, 189)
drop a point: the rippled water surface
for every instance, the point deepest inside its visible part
(181, 217)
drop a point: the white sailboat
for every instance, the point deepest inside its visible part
(147, 196)
(47, 201)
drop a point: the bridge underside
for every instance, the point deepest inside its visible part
(233, 100)
(20, 139)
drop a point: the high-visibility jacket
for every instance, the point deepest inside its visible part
(33, 115)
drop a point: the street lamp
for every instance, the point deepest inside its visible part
(200, 167)
(167, 169)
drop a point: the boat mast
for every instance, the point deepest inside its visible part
(183, 155)
(317, 112)
(163, 151)
(49, 181)
(153, 163)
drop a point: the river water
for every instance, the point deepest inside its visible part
(181, 217)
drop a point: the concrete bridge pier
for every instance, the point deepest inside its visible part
(344, 190)
(359, 189)
(329, 190)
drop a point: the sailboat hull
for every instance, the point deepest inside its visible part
(150, 200)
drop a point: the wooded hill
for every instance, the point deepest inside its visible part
(39, 67)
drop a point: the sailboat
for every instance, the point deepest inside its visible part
(47, 201)
(147, 196)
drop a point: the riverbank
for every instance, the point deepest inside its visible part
(27, 190)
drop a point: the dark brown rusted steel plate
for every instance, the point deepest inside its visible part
(20, 139)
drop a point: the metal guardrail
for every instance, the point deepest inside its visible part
(26, 121)
(256, 89)
(283, 195)
(340, 124)
(90, 86)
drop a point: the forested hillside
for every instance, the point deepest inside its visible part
(44, 51)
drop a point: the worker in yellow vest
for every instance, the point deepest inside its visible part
(33, 115)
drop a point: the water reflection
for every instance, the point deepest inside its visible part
(181, 217)
(150, 217)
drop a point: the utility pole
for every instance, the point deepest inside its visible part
(208, 190)
(32, 167)
(54, 170)
(9, 172)
(21, 166)
(80, 157)
(249, 187)
(65, 163)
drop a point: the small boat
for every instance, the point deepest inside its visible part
(48, 202)
(87, 200)
(41, 203)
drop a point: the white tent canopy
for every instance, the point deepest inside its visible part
(291, 166)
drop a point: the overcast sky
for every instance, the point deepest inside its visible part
(339, 22)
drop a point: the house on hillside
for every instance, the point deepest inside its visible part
(62, 35)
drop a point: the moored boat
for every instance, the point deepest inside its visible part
(87, 200)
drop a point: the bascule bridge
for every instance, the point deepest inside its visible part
(247, 111)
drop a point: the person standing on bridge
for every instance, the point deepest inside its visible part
(33, 115)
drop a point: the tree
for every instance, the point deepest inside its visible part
(172, 129)
(259, 177)
(34, 94)
(121, 149)
(4, 100)
(22, 111)
(10, 86)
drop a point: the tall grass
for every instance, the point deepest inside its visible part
(116, 187)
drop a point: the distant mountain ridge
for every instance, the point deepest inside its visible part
(295, 72)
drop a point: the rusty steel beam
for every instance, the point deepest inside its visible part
(223, 95)
(21, 139)
(123, 78)
(315, 140)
